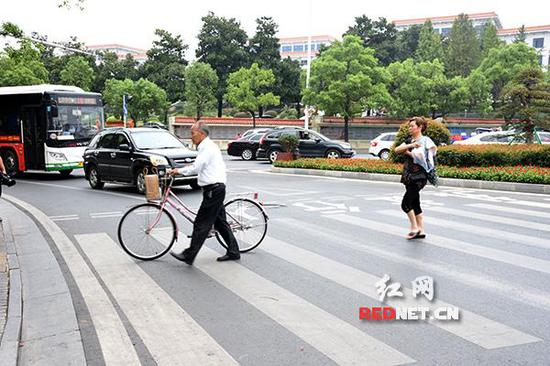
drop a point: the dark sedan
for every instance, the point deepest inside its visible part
(245, 147)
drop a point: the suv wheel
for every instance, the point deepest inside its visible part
(272, 156)
(247, 154)
(384, 154)
(10, 162)
(140, 181)
(333, 154)
(94, 179)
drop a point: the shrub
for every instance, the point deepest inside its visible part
(437, 131)
(112, 119)
(270, 114)
(288, 113)
(289, 142)
(494, 155)
(242, 115)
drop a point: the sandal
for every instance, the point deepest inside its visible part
(420, 236)
(412, 235)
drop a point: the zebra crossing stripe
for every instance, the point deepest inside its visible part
(474, 328)
(169, 333)
(512, 210)
(338, 340)
(115, 344)
(480, 230)
(491, 218)
(518, 260)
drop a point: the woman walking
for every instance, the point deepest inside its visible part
(419, 153)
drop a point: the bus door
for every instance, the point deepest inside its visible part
(34, 134)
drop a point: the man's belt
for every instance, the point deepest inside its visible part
(210, 187)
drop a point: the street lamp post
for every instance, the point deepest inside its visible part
(308, 67)
(125, 98)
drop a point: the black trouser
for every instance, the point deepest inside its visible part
(211, 212)
(411, 199)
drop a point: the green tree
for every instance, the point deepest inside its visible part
(478, 92)
(429, 44)
(22, 65)
(463, 51)
(165, 65)
(503, 63)
(489, 39)
(380, 35)
(201, 82)
(78, 72)
(407, 42)
(246, 89)
(521, 35)
(264, 46)
(527, 102)
(110, 67)
(147, 98)
(287, 82)
(422, 89)
(346, 80)
(222, 45)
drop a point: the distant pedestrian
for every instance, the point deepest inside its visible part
(419, 153)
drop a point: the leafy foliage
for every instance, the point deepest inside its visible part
(200, 88)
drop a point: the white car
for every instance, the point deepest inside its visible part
(382, 145)
(500, 137)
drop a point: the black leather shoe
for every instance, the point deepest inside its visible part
(228, 257)
(182, 257)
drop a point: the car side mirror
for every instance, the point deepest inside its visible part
(317, 140)
(124, 147)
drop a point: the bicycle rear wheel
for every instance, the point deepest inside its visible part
(248, 222)
(147, 231)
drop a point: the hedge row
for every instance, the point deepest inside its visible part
(494, 155)
(518, 174)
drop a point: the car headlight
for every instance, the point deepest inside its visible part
(57, 156)
(158, 160)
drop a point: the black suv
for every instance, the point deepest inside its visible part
(124, 155)
(312, 145)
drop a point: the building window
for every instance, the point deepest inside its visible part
(298, 48)
(286, 48)
(538, 42)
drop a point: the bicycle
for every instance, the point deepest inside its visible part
(148, 231)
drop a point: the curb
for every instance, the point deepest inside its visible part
(445, 182)
(9, 344)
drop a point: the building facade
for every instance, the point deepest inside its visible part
(443, 24)
(297, 47)
(121, 51)
(537, 37)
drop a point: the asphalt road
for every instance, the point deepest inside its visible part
(296, 299)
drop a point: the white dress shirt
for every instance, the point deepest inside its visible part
(209, 165)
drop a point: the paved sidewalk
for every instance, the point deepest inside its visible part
(41, 325)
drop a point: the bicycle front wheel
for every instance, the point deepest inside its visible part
(248, 223)
(147, 231)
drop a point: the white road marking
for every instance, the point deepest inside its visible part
(512, 210)
(169, 333)
(480, 230)
(474, 328)
(518, 260)
(115, 344)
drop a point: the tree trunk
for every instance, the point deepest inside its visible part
(253, 118)
(220, 105)
(298, 109)
(260, 112)
(346, 128)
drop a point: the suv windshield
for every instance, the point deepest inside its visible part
(156, 140)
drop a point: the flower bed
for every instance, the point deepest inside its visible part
(518, 174)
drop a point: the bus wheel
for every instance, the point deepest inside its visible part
(10, 162)
(65, 173)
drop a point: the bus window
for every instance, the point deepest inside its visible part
(76, 122)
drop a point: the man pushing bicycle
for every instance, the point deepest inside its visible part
(210, 168)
